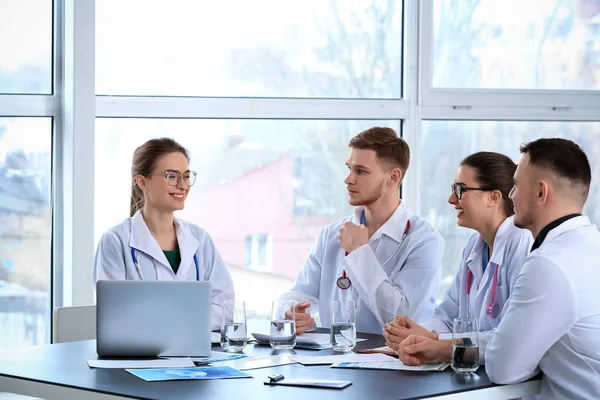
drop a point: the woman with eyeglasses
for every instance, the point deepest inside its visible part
(490, 263)
(154, 245)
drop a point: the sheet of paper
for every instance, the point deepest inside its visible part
(320, 338)
(218, 356)
(318, 383)
(175, 374)
(383, 350)
(336, 359)
(158, 363)
(391, 365)
(258, 362)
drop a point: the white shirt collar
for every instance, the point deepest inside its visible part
(567, 226)
(394, 227)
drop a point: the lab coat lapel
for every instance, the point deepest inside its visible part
(142, 240)
(500, 242)
(474, 264)
(188, 245)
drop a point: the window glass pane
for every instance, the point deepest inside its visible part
(26, 46)
(25, 230)
(446, 143)
(249, 251)
(515, 44)
(262, 250)
(272, 48)
(245, 193)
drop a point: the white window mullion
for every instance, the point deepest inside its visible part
(411, 127)
(74, 143)
(12, 105)
(248, 108)
(510, 113)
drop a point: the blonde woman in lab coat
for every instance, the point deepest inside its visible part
(490, 263)
(154, 245)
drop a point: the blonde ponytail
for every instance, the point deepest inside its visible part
(137, 198)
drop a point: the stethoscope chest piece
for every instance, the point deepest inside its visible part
(343, 282)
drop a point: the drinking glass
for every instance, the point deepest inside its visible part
(234, 333)
(465, 345)
(283, 325)
(343, 326)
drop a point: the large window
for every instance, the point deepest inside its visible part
(246, 193)
(266, 48)
(25, 230)
(265, 94)
(26, 46)
(515, 44)
(445, 143)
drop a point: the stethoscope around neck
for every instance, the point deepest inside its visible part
(137, 266)
(493, 308)
(343, 282)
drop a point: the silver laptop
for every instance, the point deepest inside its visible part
(153, 318)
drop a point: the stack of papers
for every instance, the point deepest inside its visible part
(258, 362)
(158, 363)
(396, 365)
(383, 350)
(316, 341)
(313, 341)
(167, 362)
(171, 374)
(218, 356)
(343, 358)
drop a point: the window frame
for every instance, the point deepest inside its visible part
(74, 106)
(555, 104)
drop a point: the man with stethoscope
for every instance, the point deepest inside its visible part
(154, 245)
(384, 257)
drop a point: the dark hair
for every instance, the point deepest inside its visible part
(563, 157)
(494, 171)
(387, 145)
(144, 161)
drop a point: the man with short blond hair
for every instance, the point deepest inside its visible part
(384, 257)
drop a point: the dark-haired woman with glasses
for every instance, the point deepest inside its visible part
(490, 263)
(154, 245)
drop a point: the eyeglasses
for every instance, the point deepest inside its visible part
(459, 189)
(174, 177)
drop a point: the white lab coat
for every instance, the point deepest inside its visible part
(114, 262)
(553, 317)
(389, 276)
(510, 249)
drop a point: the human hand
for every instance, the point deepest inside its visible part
(419, 350)
(303, 319)
(401, 328)
(352, 236)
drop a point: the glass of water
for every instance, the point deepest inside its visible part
(234, 334)
(283, 325)
(343, 326)
(465, 345)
